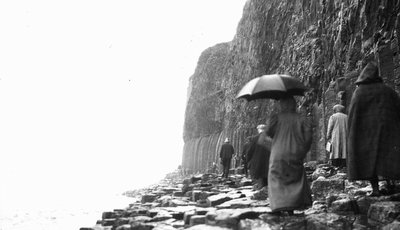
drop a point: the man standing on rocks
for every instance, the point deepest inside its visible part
(226, 154)
(374, 131)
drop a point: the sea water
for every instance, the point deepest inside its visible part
(59, 211)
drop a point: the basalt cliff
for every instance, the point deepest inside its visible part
(324, 43)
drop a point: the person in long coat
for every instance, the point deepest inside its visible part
(244, 155)
(291, 134)
(226, 154)
(337, 135)
(258, 157)
(374, 130)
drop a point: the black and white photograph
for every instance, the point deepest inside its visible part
(199, 114)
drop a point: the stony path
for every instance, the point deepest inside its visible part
(206, 201)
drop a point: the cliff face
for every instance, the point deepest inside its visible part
(324, 43)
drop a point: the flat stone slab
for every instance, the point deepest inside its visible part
(257, 224)
(327, 221)
(391, 226)
(218, 199)
(207, 227)
(323, 187)
(344, 205)
(384, 212)
(237, 203)
(197, 219)
(365, 202)
(294, 222)
(179, 208)
(231, 217)
(164, 227)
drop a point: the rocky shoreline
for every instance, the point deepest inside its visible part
(207, 201)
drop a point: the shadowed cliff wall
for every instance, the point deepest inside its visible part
(324, 43)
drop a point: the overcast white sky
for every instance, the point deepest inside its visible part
(92, 93)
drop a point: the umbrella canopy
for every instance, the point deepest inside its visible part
(272, 86)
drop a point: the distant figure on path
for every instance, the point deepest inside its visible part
(244, 155)
(291, 140)
(258, 157)
(337, 135)
(374, 131)
(226, 156)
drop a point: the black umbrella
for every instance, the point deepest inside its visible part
(272, 86)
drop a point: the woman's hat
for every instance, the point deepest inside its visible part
(262, 126)
(338, 108)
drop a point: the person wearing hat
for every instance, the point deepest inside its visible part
(337, 136)
(226, 154)
(374, 131)
(291, 134)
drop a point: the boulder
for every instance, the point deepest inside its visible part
(310, 165)
(187, 216)
(323, 187)
(364, 203)
(231, 217)
(140, 219)
(123, 220)
(161, 216)
(204, 211)
(108, 215)
(148, 198)
(108, 222)
(196, 178)
(124, 227)
(170, 190)
(164, 200)
(384, 212)
(179, 202)
(249, 224)
(206, 227)
(323, 170)
(328, 221)
(260, 203)
(164, 227)
(195, 196)
(178, 224)
(344, 205)
(178, 193)
(197, 219)
(237, 203)
(141, 226)
(261, 194)
(394, 225)
(245, 182)
(317, 207)
(292, 222)
(218, 199)
(203, 203)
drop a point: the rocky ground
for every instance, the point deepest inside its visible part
(207, 201)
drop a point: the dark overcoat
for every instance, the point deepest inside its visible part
(245, 152)
(373, 129)
(258, 156)
(226, 151)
